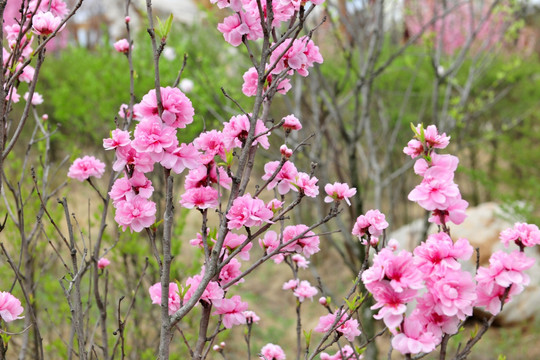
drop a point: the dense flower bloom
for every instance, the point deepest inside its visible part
(57, 7)
(126, 155)
(177, 108)
(121, 46)
(10, 307)
(103, 263)
(522, 234)
(374, 223)
(136, 212)
(338, 191)
(174, 297)
(439, 254)
(45, 23)
(232, 310)
(247, 211)
(152, 136)
(201, 197)
(454, 293)
(414, 339)
(83, 168)
(272, 352)
(505, 270)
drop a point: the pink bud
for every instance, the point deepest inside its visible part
(128, 19)
(222, 344)
(285, 151)
(322, 301)
(216, 348)
(45, 117)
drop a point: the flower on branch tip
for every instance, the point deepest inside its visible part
(37, 99)
(10, 307)
(338, 191)
(83, 168)
(122, 46)
(136, 212)
(103, 263)
(200, 197)
(522, 234)
(45, 23)
(272, 352)
(174, 297)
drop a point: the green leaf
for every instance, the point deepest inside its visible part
(307, 335)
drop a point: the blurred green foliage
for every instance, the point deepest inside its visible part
(84, 88)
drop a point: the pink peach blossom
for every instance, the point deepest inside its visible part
(201, 197)
(84, 168)
(103, 263)
(122, 46)
(174, 297)
(248, 211)
(135, 212)
(10, 307)
(272, 352)
(45, 23)
(232, 310)
(338, 191)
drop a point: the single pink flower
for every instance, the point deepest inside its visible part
(272, 352)
(308, 185)
(233, 29)
(180, 158)
(174, 297)
(122, 46)
(118, 138)
(135, 212)
(338, 191)
(37, 99)
(103, 263)
(304, 290)
(291, 122)
(248, 211)
(45, 23)
(201, 197)
(82, 169)
(10, 307)
(414, 339)
(522, 234)
(285, 177)
(177, 108)
(232, 310)
(235, 132)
